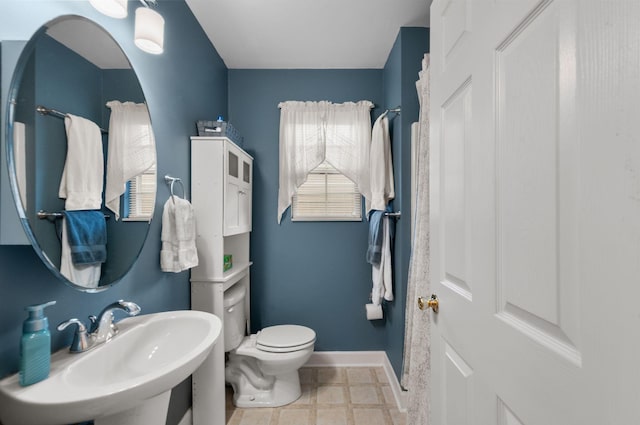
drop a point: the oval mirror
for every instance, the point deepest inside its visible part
(79, 132)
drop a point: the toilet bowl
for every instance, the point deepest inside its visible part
(263, 368)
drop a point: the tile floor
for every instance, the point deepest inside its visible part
(330, 396)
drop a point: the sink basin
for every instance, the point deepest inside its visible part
(126, 380)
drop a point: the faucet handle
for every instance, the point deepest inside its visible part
(93, 320)
(80, 337)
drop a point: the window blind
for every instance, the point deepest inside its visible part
(327, 195)
(141, 196)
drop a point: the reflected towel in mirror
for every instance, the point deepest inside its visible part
(83, 174)
(81, 185)
(87, 236)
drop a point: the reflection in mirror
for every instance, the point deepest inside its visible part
(79, 128)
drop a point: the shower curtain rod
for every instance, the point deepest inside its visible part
(48, 111)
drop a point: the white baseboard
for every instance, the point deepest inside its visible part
(348, 359)
(361, 359)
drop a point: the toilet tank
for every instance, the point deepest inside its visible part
(235, 319)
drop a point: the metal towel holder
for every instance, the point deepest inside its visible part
(170, 181)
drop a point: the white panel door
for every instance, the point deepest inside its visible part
(535, 212)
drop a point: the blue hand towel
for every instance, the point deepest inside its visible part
(87, 235)
(374, 249)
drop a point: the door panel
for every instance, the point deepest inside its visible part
(456, 121)
(534, 212)
(537, 183)
(458, 380)
(506, 416)
(455, 25)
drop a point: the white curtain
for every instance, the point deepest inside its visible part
(311, 132)
(132, 148)
(416, 373)
(348, 141)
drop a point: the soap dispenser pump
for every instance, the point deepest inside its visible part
(35, 346)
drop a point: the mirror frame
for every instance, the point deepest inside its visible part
(11, 105)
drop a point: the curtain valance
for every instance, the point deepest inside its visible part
(311, 132)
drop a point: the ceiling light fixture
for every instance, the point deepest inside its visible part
(112, 8)
(149, 24)
(149, 30)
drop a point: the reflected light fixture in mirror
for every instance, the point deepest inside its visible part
(112, 8)
(149, 31)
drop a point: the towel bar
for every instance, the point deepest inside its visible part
(170, 181)
(43, 110)
(53, 216)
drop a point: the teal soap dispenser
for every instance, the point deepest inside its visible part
(35, 346)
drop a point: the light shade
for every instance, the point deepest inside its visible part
(112, 8)
(149, 31)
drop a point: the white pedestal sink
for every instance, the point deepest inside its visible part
(126, 381)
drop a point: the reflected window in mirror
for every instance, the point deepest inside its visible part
(140, 197)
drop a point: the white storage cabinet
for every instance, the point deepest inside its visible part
(221, 192)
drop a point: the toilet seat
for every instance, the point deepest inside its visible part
(285, 338)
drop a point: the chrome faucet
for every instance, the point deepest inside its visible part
(102, 328)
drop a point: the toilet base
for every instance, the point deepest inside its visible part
(264, 378)
(285, 390)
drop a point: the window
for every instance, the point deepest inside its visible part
(327, 195)
(312, 132)
(140, 196)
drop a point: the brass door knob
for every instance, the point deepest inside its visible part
(431, 303)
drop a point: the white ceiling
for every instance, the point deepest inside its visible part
(89, 41)
(310, 34)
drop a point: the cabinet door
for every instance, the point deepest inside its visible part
(245, 195)
(237, 196)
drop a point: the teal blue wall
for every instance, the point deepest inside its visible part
(187, 82)
(308, 273)
(315, 273)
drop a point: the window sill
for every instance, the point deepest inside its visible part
(147, 219)
(326, 219)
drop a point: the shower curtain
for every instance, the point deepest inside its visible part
(416, 373)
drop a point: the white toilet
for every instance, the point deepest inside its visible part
(263, 368)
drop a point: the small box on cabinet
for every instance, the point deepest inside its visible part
(218, 129)
(227, 262)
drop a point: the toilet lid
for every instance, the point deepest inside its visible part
(285, 337)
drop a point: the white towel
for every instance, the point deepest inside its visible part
(83, 173)
(132, 148)
(178, 236)
(81, 186)
(381, 273)
(380, 167)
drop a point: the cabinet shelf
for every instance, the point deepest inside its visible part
(230, 277)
